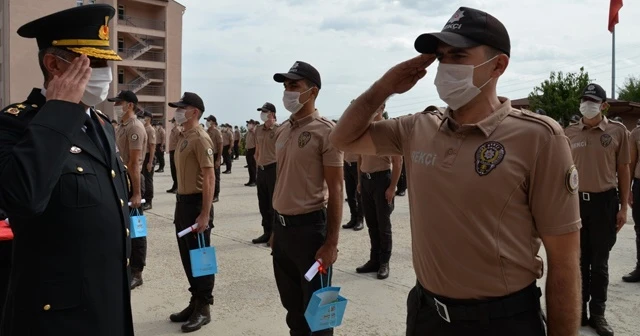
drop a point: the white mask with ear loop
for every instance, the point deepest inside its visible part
(589, 109)
(97, 87)
(291, 101)
(454, 83)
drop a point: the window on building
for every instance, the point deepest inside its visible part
(79, 3)
(121, 12)
(120, 45)
(120, 76)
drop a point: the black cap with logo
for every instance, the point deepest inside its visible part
(595, 91)
(127, 96)
(189, 99)
(267, 107)
(300, 70)
(144, 114)
(211, 118)
(467, 28)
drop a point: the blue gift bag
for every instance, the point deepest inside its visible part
(138, 224)
(203, 259)
(326, 308)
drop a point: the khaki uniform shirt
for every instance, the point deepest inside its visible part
(597, 153)
(173, 138)
(302, 151)
(195, 151)
(373, 163)
(487, 193)
(634, 148)
(216, 138)
(350, 157)
(266, 143)
(161, 136)
(227, 138)
(250, 141)
(151, 135)
(236, 135)
(131, 135)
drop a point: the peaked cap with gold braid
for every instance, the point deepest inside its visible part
(82, 29)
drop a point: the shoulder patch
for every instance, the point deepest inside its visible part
(552, 125)
(572, 179)
(327, 122)
(134, 137)
(18, 109)
(618, 124)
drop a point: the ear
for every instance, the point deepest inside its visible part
(501, 65)
(52, 64)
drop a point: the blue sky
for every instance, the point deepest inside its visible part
(231, 48)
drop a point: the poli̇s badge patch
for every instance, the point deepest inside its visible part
(134, 137)
(572, 180)
(183, 145)
(303, 139)
(605, 140)
(210, 152)
(488, 156)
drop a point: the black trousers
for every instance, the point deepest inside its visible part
(138, 258)
(423, 320)
(294, 250)
(188, 208)
(148, 180)
(402, 182)
(236, 149)
(216, 171)
(226, 157)
(354, 199)
(251, 162)
(172, 164)
(266, 185)
(598, 235)
(5, 269)
(635, 213)
(377, 212)
(160, 156)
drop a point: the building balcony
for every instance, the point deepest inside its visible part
(146, 93)
(163, 3)
(136, 25)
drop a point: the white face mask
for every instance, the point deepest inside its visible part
(209, 123)
(98, 86)
(291, 101)
(180, 116)
(589, 109)
(264, 116)
(454, 83)
(119, 112)
(250, 127)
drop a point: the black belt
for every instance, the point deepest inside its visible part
(592, 196)
(525, 300)
(313, 217)
(191, 198)
(267, 167)
(371, 176)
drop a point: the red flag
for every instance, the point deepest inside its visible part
(614, 8)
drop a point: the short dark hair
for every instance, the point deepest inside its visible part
(53, 51)
(491, 52)
(310, 84)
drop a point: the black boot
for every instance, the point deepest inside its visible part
(184, 315)
(262, 239)
(359, 225)
(369, 267)
(201, 316)
(350, 224)
(136, 279)
(633, 276)
(601, 326)
(383, 271)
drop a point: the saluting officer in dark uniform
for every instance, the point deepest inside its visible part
(65, 188)
(194, 167)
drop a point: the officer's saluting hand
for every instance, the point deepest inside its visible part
(70, 85)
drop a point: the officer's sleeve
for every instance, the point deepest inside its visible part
(135, 136)
(204, 152)
(389, 135)
(331, 156)
(623, 150)
(633, 147)
(151, 137)
(32, 154)
(219, 136)
(553, 187)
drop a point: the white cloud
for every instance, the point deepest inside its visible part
(232, 48)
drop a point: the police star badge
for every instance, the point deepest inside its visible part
(488, 156)
(572, 180)
(303, 139)
(605, 140)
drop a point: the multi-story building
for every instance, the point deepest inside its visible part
(146, 33)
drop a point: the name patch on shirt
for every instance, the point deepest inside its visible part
(427, 159)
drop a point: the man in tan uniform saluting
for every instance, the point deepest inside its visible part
(494, 182)
(194, 167)
(307, 198)
(216, 138)
(131, 141)
(600, 149)
(634, 198)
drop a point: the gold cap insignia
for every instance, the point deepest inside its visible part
(13, 111)
(103, 33)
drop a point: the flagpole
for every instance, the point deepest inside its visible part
(613, 63)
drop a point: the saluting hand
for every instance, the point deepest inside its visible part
(71, 84)
(621, 219)
(402, 77)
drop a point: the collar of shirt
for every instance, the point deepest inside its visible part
(304, 121)
(486, 126)
(601, 125)
(264, 127)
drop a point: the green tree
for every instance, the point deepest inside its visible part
(559, 96)
(630, 90)
(385, 115)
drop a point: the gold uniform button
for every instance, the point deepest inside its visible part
(79, 169)
(121, 202)
(113, 174)
(46, 307)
